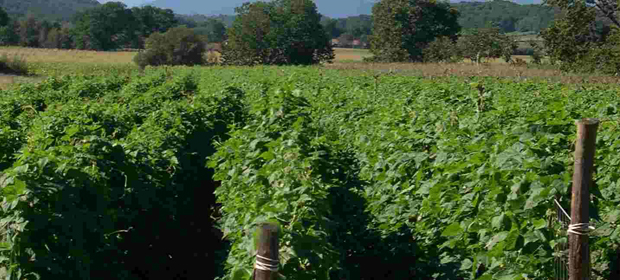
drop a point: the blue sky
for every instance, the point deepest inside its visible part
(129, 3)
(331, 8)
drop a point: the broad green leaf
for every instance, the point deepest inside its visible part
(452, 230)
(496, 238)
(540, 224)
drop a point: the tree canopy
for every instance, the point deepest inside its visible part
(214, 29)
(403, 28)
(585, 37)
(477, 44)
(177, 46)
(279, 32)
(112, 25)
(505, 15)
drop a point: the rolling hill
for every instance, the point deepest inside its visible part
(49, 9)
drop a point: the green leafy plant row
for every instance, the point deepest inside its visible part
(449, 178)
(106, 182)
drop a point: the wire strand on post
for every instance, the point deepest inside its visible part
(266, 266)
(580, 229)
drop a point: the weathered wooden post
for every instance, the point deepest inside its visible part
(578, 230)
(266, 266)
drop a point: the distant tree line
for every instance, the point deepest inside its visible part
(106, 27)
(505, 15)
(583, 35)
(347, 30)
(112, 25)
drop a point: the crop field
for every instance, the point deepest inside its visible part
(427, 178)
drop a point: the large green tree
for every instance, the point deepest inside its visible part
(604, 9)
(8, 28)
(403, 28)
(106, 27)
(214, 29)
(585, 36)
(4, 17)
(570, 38)
(149, 20)
(278, 32)
(28, 31)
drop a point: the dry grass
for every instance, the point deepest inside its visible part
(498, 70)
(357, 55)
(343, 54)
(449, 69)
(45, 62)
(33, 55)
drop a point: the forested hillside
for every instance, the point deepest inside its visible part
(506, 15)
(49, 9)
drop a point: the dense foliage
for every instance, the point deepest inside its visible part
(450, 178)
(103, 177)
(280, 32)
(348, 29)
(213, 29)
(431, 179)
(402, 29)
(113, 25)
(478, 44)
(508, 16)
(104, 27)
(178, 46)
(474, 44)
(585, 38)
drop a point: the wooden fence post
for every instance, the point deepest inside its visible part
(585, 146)
(266, 266)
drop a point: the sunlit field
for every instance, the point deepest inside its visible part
(38, 56)
(43, 63)
(35, 55)
(344, 55)
(68, 56)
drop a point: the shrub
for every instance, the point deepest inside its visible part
(16, 65)
(443, 49)
(524, 51)
(478, 44)
(213, 58)
(178, 46)
(537, 52)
